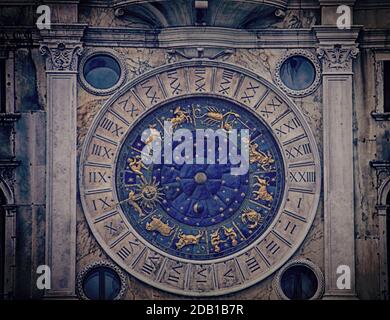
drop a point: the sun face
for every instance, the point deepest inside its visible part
(149, 194)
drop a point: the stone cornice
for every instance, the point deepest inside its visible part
(375, 39)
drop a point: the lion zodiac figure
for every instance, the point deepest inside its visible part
(187, 239)
(251, 217)
(157, 225)
(262, 192)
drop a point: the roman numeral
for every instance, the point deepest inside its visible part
(101, 151)
(273, 247)
(229, 274)
(200, 82)
(125, 252)
(253, 264)
(175, 83)
(298, 151)
(129, 107)
(249, 92)
(291, 225)
(271, 107)
(174, 275)
(227, 77)
(202, 278)
(111, 126)
(97, 177)
(103, 203)
(286, 128)
(151, 94)
(111, 228)
(150, 265)
(308, 176)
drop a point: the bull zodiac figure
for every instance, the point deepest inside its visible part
(157, 225)
(187, 239)
(262, 193)
(251, 217)
(264, 160)
(180, 117)
(225, 120)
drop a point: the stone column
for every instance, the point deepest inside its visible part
(61, 186)
(337, 49)
(10, 247)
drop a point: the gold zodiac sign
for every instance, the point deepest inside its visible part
(251, 217)
(136, 165)
(255, 155)
(157, 225)
(180, 117)
(187, 239)
(150, 194)
(262, 193)
(132, 199)
(216, 238)
(213, 116)
(231, 234)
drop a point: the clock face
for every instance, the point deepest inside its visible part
(192, 227)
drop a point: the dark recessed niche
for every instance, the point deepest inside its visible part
(101, 283)
(299, 282)
(102, 71)
(297, 73)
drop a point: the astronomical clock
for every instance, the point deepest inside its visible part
(196, 229)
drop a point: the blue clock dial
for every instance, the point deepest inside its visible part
(201, 211)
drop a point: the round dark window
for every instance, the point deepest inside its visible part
(102, 71)
(299, 282)
(297, 73)
(101, 283)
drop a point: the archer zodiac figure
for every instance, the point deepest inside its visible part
(262, 192)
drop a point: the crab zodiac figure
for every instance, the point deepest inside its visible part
(251, 217)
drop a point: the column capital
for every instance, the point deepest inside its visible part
(337, 48)
(62, 46)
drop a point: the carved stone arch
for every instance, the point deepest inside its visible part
(383, 192)
(6, 190)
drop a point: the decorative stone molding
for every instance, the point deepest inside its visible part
(313, 59)
(97, 264)
(106, 51)
(211, 54)
(276, 283)
(337, 58)
(382, 169)
(61, 57)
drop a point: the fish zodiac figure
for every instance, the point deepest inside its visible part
(136, 165)
(157, 225)
(187, 239)
(262, 193)
(264, 160)
(251, 217)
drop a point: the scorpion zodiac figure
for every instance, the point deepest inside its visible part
(262, 193)
(213, 116)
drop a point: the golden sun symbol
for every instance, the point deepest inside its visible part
(149, 194)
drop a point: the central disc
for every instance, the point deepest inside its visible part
(200, 178)
(198, 209)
